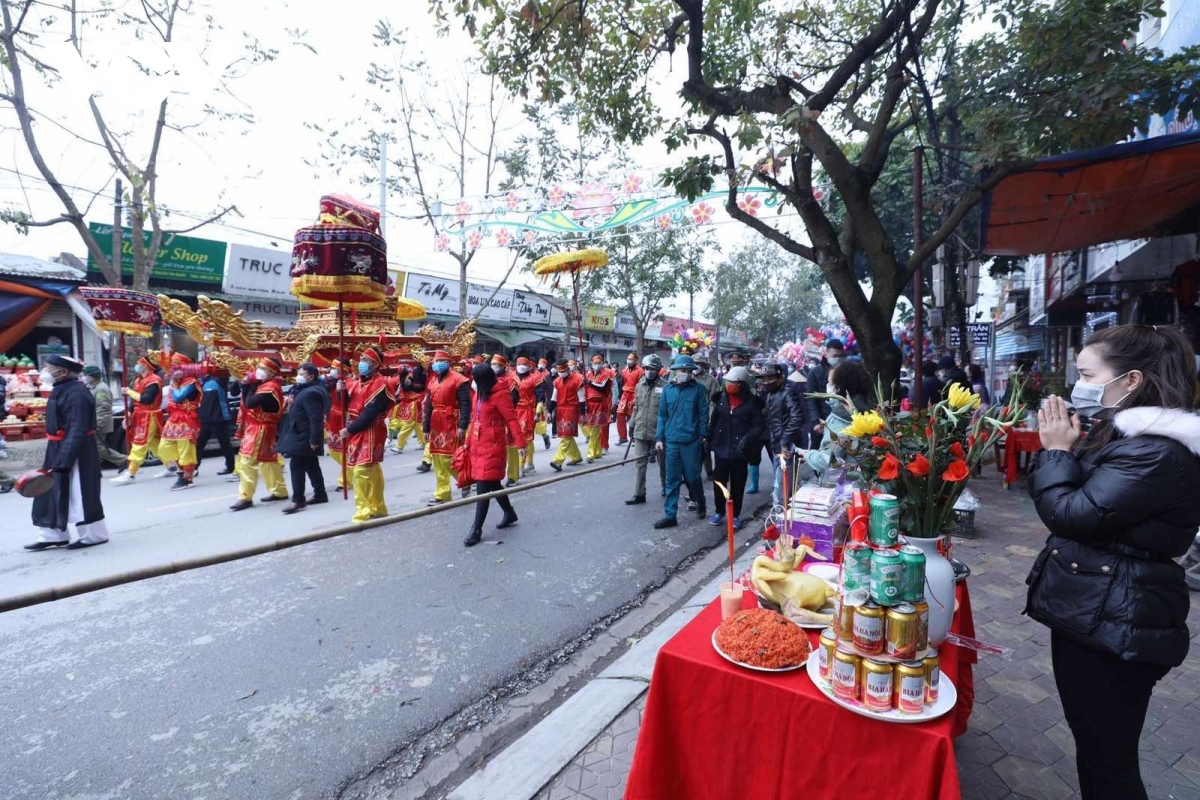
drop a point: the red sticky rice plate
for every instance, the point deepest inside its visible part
(763, 638)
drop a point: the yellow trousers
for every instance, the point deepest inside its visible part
(592, 433)
(527, 457)
(178, 451)
(336, 455)
(368, 493)
(441, 471)
(427, 457)
(567, 448)
(248, 470)
(514, 464)
(138, 452)
(393, 426)
(407, 429)
(539, 428)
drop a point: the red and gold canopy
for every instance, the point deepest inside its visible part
(122, 310)
(342, 259)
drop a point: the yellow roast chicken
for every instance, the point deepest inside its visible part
(777, 581)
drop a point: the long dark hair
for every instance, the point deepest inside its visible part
(1162, 354)
(485, 380)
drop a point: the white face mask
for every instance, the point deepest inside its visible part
(301, 379)
(522, 370)
(1088, 398)
(138, 369)
(46, 376)
(834, 360)
(498, 369)
(261, 374)
(682, 376)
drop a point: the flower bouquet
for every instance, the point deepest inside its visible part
(924, 457)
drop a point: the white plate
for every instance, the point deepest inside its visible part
(830, 573)
(947, 697)
(830, 607)
(721, 653)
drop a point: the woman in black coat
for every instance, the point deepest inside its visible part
(302, 437)
(737, 429)
(1120, 505)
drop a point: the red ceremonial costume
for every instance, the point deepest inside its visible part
(493, 425)
(365, 447)
(527, 402)
(598, 399)
(566, 392)
(629, 380)
(259, 427)
(148, 419)
(443, 422)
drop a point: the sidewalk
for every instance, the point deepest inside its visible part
(1018, 745)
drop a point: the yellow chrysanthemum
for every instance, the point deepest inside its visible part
(864, 423)
(961, 398)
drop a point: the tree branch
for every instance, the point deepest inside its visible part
(866, 49)
(214, 218)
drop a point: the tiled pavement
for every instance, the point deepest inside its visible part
(1018, 746)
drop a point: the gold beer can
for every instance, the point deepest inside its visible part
(933, 674)
(846, 675)
(827, 646)
(922, 609)
(901, 632)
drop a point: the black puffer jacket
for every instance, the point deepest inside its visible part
(1117, 516)
(302, 430)
(737, 433)
(785, 419)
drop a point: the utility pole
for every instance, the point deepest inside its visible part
(116, 234)
(918, 278)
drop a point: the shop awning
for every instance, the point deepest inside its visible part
(1125, 191)
(515, 337)
(1030, 340)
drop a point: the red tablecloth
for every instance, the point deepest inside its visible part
(1018, 441)
(715, 730)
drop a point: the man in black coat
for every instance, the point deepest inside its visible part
(302, 437)
(215, 419)
(818, 382)
(949, 373)
(785, 421)
(72, 457)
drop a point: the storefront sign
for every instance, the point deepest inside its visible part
(673, 325)
(980, 332)
(600, 318)
(183, 261)
(625, 324)
(275, 314)
(610, 341)
(258, 272)
(440, 297)
(533, 308)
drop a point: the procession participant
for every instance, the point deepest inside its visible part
(368, 399)
(302, 435)
(567, 405)
(679, 437)
(547, 427)
(629, 381)
(493, 424)
(644, 423)
(507, 382)
(93, 378)
(262, 407)
(146, 417)
(334, 419)
(528, 386)
(410, 399)
(72, 458)
(447, 415)
(736, 431)
(598, 402)
(214, 421)
(178, 442)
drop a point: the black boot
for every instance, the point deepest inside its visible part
(636, 500)
(546, 440)
(510, 519)
(473, 538)
(423, 467)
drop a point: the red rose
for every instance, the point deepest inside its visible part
(957, 471)
(919, 466)
(928, 432)
(879, 441)
(971, 440)
(890, 468)
(956, 450)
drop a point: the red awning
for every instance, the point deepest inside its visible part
(1125, 191)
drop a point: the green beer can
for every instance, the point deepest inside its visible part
(856, 566)
(887, 577)
(884, 522)
(912, 588)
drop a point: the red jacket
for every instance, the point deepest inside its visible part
(492, 421)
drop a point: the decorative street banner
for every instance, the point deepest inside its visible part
(184, 262)
(524, 216)
(259, 272)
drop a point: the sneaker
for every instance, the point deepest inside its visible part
(123, 480)
(181, 483)
(691, 505)
(226, 471)
(530, 470)
(434, 502)
(717, 519)
(423, 467)
(737, 523)
(232, 477)
(509, 482)
(556, 466)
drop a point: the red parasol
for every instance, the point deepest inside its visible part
(122, 311)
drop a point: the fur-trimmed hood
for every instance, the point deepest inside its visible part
(1173, 423)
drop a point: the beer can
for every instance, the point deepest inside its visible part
(910, 691)
(876, 685)
(856, 566)
(883, 528)
(900, 632)
(826, 647)
(922, 609)
(933, 674)
(846, 675)
(887, 574)
(868, 629)
(846, 606)
(912, 587)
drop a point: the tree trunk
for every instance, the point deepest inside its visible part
(641, 338)
(462, 290)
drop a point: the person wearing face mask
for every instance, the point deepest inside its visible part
(302, 436)
(643, 426)
(93, 379)
(72, 459)
(567, 405)
(546, 426)
(597, 399)
(493, 424)
(784, 421)
(262, 407)
(849, 380)
(950, 374)
(736, 430)
(818, 378)
(145, 422)
(506, 381)
(1120, 505)
(409, 402)
(529, 386)
(629, 378)
(368, 398)
(447, 416)
(679, 436)
(214, 421)
(178, 443)
(335, 419)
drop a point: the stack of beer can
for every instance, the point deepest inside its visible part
(875, 652)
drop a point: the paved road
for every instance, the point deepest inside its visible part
(290, 674)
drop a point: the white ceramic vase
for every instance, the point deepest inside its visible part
(939, 589)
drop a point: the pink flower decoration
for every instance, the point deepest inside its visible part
(461, 210)
(633, 184)
(702, 213)
(441, 242)
(750, 204)
(556, 195)
(530, 236)
(502, 237)
(474, 239)
(511, 201)
(593, 200)
(663, 222)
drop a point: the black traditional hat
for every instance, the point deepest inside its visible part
(66, 362)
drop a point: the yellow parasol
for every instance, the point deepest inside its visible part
(409, 309)
(573, 262)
